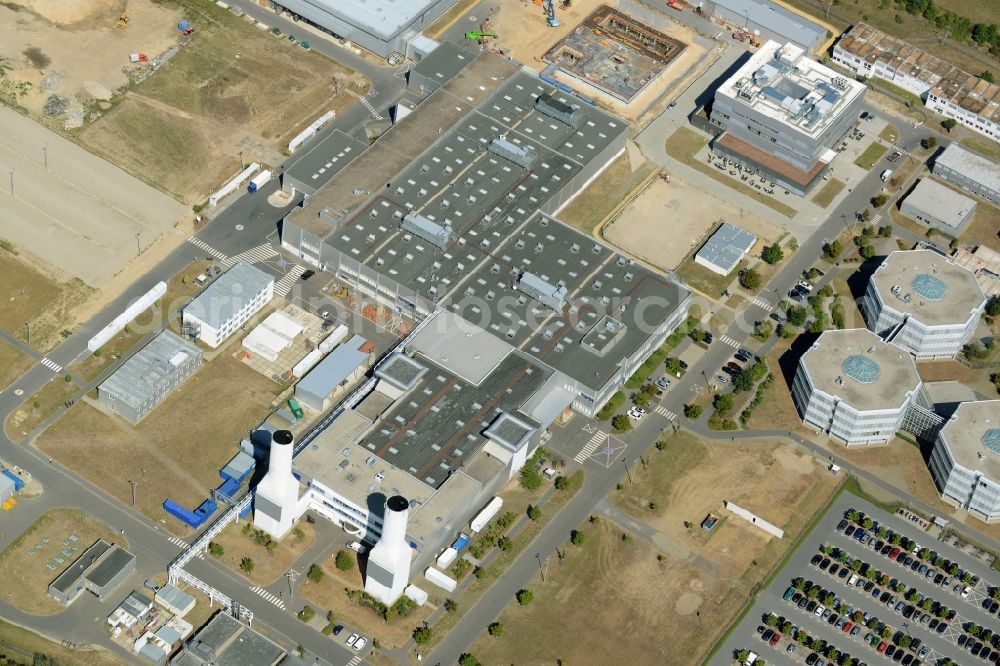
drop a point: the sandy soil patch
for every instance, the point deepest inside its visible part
(669, 221)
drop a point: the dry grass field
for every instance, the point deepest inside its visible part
(33, 412)
(31, 642)
(600, 198)
(24, 574)
(268, 567)
(825, 195)
(13, 363)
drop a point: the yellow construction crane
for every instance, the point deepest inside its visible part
(122, 20)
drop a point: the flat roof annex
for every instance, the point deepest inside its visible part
(228, 294)
(972, 165)
(727, 246)
(148, 372)
(940, 202)
(384, 18)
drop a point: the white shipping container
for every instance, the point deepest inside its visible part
(260, 180)
(434, 576)
(447, 557)
(486, 515)
(131, 312)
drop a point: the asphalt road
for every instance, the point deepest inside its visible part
(744, 635)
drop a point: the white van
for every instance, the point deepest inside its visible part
(886, 175)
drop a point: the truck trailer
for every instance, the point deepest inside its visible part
(259, 181)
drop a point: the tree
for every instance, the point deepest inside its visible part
(880, 199)
(993, 306)
(723, 402)
(771, 620)
(796, 316)
(930, 143)
(530, 478)
(692, 411)
(315, 573)
(271, 546)
(621, 423)
(495, 629)
(216, 549)
(247, 565)
(468, 660)
(763, 329)
(772, 254)
(343, 560)
(743, 381)
(904, 642)
(524, 597)
(576, 537)
(742, 656)
(886, 231)
(750, 279)
(307, 613)
(987, 76)
(504, 543)
(833, 249)
(534, 513)
(949, 124)
(422, 635)
(673, 365)
(450, 605)
(867, 251)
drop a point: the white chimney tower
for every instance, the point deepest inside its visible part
(388, 570)
(276, 497)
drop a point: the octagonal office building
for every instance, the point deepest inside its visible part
(924, 303)
(965, 460)
(854, 386)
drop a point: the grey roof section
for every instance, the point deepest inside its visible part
(940, 202)
(972, 165)
(460, 346)
(444, 62)
(74, 573)
(964, 435)
(239, 465)
(777, 19)
(113, 564)
(324, 159)
(230, 292)
(226, 642)
(400, 370)
(894, 278)
(511, 432)
(147, 374)
(727, 246)
(384, 18)
(433, 430)
(825, 363)
(6, 486)
(153, 652)
(334, 368)
(174, 596)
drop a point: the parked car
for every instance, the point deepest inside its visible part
(356, 546)
(774, 639)
(636, 413)
(360, 644)
(352, 639)
(337, 629)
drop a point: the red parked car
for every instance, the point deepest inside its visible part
(774, 639)
(894, 553)
(847, 627)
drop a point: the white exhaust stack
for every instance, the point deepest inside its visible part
(388, 571)
(277, 495)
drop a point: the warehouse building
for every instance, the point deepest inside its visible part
(321, 162)
(945, 89)
(226, 304)
(149, 376)
(855, 387)
(725, 249)
(768, 20)
(454, 206)
(341, 366)
(965, 460)
(224, 641)
(939, 207)
(924, 303)
(781, 114)
(99, 569)
(969, 171)
(438, 67)
(383, 27)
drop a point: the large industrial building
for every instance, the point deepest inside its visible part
(938, 207)
(855, 387)
(383, 27)
(782, 114)
(148, 377)
(965, 460)
(969, 171)
(767, 20)
(228, 303)
(945, 89)
(99, 569)
(923, 303)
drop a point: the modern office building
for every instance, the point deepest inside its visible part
(724, 250)
(969, 171)
(226, 304)
(148, 377)
(938, 206)
(855, 387)
(383, 27)
(782, 114)
(965, 460)
(923, 303)
(945, 88)
(452, 209)
(768, 20)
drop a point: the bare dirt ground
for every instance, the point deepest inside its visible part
(24, 576)
(267, 566)
(669, 221)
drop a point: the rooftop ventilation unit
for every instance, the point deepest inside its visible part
(520, 155)
(432, 232)
(553, 108)
(553, 296)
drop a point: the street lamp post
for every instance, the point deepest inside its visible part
(45, 155)
(243, 165)
(138, 245)
(541, 571)
(132, 483)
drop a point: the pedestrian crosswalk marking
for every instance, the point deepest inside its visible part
(254, 255)
(729, 341)
(267, 596)
(355, 661)
(284, 285)
(199, 243)
(371, 108)
(590, 446)
(51, 365)
(663, 411)
(761, 303)
(876, 218)
(179, 542)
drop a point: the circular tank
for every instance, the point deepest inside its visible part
(282, 437)
(397, 503)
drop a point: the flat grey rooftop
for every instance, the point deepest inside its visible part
(776, 18)
(460, 346)
(324, 159)
(75, 571)
(931, 288)
(950, 207)
(973, 425)
(444, 62)
(148, 373)
(224, 641)
(384, 18)
(896, 373)
(727, 246)
(110, 566)
(972, 165)
(229, 293)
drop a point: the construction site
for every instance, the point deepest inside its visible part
(615, 53)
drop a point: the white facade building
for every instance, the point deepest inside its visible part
(226, 304)
(965, 460)
(854, 387)
(924, 303)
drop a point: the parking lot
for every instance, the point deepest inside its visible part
(869, 587)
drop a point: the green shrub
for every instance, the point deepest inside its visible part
(422, 635)
(307, 613)
(343, 560)
(315, 573)
(611, 407)
(524, 597)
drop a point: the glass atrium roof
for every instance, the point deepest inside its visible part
(861, 369)
(929, 287)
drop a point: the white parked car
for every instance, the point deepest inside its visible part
(965, 591)
(360, 643)
(355, 546)
(351, 640)
(636, 413)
